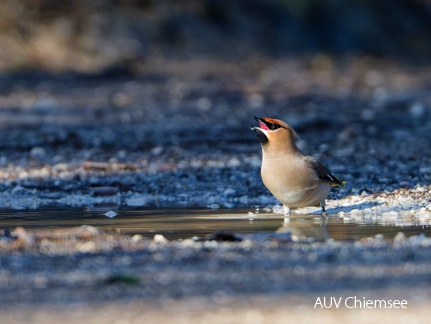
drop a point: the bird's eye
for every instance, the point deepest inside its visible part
(274, 127)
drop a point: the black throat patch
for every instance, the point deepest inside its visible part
(262, 137)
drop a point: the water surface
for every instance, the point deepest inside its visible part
(185, 223)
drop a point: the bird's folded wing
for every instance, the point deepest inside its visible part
(322, 172)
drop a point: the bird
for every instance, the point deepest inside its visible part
(295, 179)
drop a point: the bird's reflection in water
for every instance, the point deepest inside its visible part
(308, 226)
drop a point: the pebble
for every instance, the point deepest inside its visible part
(23, 236)
(420, 240)
(137, 201)
(137, 238)
(233, 162)
(390, 214)
(38, 153)
(399, 238)
(156, 151)
(159, 238)
(110, 214)
(86, 247)
(417, 110)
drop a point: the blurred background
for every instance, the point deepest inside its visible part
(192, 56)
(92, 36)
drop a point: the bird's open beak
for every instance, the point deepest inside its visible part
(262, 124)
(261, 130)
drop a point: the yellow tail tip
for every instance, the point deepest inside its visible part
(343, 183)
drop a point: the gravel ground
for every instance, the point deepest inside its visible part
(177, 136)
(260, 278)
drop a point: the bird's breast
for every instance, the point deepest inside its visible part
(292, 182)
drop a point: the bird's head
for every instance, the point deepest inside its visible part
(273, 131)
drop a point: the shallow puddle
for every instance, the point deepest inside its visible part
(180, 223)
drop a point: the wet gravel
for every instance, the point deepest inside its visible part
(177, 136)
(90, 268)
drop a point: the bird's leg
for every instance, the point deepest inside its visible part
(322, 205)
(286, 210)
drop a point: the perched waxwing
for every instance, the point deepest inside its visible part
(294, 179)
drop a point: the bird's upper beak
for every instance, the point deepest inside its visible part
(262, 124)
(261, 130)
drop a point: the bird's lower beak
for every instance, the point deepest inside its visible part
(260, 130)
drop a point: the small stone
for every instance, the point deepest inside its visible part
(390, 214)
(88, 231)
(110, 214)
(95, 166)
(137, 238)
(137, 201)
(223, 236)
(284, 236)
(229, 192)
(233, 162)
(364, 194)
(159, 238)
(18, 189)
(425, 169)
(421, 189)
(379, 237)
(399, 238)
(190, 241)
(417, 110)
(420, 240)
(3, 161)
(203, 104)
(156, 151)
(38, 153)
(87, 247)
(367, 114)
(23, 237)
